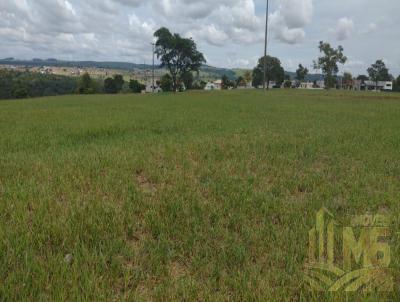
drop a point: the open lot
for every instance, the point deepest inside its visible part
(195, 196)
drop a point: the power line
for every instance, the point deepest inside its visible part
(265, 45)
(153, 65)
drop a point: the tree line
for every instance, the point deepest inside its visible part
(17, 84)
(182, 59)
(25, 84)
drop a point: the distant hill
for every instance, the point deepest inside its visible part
(78, 64)
(207, 72)
(211, 72)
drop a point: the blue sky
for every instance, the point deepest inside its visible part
(228, 32)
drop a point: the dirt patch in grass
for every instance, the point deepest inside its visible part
(145, 184)
(177, 270)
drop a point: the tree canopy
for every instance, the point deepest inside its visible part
(396, 86)
(179, 55)
(329, 61)
(16, 84)
(166, 83)
(301, 73)
(273, 72)
(86, 85)
(110, 86)
(378, 72)
(136, 87)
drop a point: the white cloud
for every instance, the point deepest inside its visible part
(289, 20)
(344, 29)
(123, 29)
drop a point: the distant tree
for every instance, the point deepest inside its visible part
(226, 83)
(240, 82)
(301, 73)
(86, 85)
(166, 83)
(199, 85)
(396, 84)
(110, 86)
(328, 63)
(20, 92)
(177, 54)
(362, 78)
(274, 71)
(378, 72)
(187, 79)
(287, 84)
(136, 87)
(247, 77)
(119, 82)
(347, 80)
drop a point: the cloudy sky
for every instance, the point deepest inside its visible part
(228, 32)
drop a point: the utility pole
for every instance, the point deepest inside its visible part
(153, 64)
(265, 46)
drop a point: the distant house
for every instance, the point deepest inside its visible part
(381, 85)
(272, 84)
(245, 86)
(306, 85)
(320, 84)
(149, 88)
(216, 85)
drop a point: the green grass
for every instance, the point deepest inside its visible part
(196, 196)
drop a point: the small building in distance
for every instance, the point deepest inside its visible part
(306, 85)
(216, 85)
(149, 88)
(381, 85)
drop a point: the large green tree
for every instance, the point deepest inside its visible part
(177, 54)
(329, 61)
(396, 86)
(378, 72)
(301, 73)
(273, 71)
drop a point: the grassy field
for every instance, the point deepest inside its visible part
(195, 197)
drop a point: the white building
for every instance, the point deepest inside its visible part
(216, 85)
(321, 84)
(149, 89)
(381, 85)
(272, 84)
(306, 85)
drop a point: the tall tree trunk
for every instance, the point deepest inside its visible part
(174, 84)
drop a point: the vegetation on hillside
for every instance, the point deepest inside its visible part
(15, 84)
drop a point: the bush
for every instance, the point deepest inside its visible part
(287, 84)
(119, 82)
(110, 86)
(166, 83)
(136, 87)
(86, 85)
